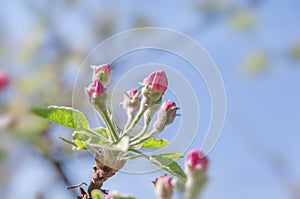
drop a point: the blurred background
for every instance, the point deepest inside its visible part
(254, 43)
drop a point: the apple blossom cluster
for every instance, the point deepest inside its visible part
(137, 103)
(114, 145)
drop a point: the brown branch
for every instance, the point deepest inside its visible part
(100, 175)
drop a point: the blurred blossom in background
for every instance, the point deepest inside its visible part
(255, 44)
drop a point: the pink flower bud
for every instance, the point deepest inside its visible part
(104, 67)
(171, 109)
(163, 187)
(4, 79)
(165, 116)
(132, 93)
(109, 196)
(196, 160)
(95, 89)
(195, 168)
(131, 102)
(102, 73)
(157, 82)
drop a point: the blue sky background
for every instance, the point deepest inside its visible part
(257, 155)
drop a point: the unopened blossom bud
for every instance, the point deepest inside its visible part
(154, 86)
(163, 187)
(195, 169)
(4, 79)
(102, 73)
(131, 102)
(165, 116)
(95, 90)
(133, 94)
(196, 160)
(171, 108)
(157, 81)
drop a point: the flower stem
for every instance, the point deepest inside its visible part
(142, 133)
(138, 152)
(112, 132)
(129, 121)
(136, 120)
(137, 142)
(194, 186)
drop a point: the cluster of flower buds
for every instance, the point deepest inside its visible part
(163, 187)
(4, 79)
(96, 90)
(153, 88)
(137, 103)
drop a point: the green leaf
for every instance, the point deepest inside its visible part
(155, 143)
(89, 136)
(168, 165)
(101, 131)
(97, 194)
(80, 135)
(80, 145)
(64, 116)
(87, 140)
(68, 141)
(96, 142)
(172, 155)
